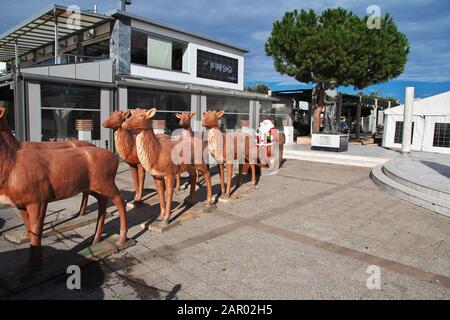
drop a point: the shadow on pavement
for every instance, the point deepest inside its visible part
(95, 278)
(439, 168)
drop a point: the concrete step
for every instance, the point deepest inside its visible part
(334, 158)
(390, 170)
(406, 193)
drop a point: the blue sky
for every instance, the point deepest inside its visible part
(248, 24)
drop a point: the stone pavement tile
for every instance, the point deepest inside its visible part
(3, 294)
(444, 249)
(439, 264)
(140, 290)
(205, 291)
(35, 293)
(185, 263)
(104, 293)
(138, 250)
(135, 271)
(155, 261)
(177, 276)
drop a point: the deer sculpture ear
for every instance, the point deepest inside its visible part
(126, 114)
(220, 114)
(150, 113)
(192, 115)
(178, 115)
(2, 112)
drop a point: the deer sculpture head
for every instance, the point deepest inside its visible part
(140, 120)
(3, 123)
(211, 118)
(185, 119)
(116, 119)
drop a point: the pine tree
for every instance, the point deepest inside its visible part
(337, 45)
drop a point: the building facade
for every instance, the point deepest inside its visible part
(120, 61)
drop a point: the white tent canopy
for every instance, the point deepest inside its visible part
(435, 105)
(431, 125)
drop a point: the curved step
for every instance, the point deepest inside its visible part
(408, 194)
(389, 170)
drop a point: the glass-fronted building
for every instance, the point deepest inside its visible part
(58, 74)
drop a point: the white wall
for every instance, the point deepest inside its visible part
(423, 134)
(194, 45)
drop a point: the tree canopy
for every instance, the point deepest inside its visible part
(259, 88)
(337, 45)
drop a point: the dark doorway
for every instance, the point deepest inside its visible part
(7, 100)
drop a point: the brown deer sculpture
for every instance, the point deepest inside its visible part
(155, 155)
(26, 145)
(30, 179)
(125, 142)
(226, 148)
(186, 131)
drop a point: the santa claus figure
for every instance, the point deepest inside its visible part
(265, 132)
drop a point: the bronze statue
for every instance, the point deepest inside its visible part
(331, 125)
(324, 99)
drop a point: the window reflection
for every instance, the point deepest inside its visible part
(60, 124)
(168, 104)
(62, 105)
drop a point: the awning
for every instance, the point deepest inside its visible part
(39, 30)
(141, 82)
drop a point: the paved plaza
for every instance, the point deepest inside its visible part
(309, 232)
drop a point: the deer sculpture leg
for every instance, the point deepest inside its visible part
(134, 175)
(36, 213)
(193, 176)
(222, 177)
(162, 203)
(102, 205)
(230, 168)
(253, 168)
(178, 182)
(240, 175)
(84, 203)
(26, 219)
(168, 181)
(118, 202)
(207, 176)
(141, 178)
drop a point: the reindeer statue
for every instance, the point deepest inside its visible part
(30, 179)
(186, 131)
(156, 156)
(26, 145)
(125, 142)
(227, 148)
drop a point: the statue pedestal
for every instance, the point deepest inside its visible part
(329, 142)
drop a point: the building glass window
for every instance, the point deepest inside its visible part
(167, 103)
(99, 50)
(398, 137)
(62, 105)
(441, 135)
(158, 52)
(237, 111)
(277, 112)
